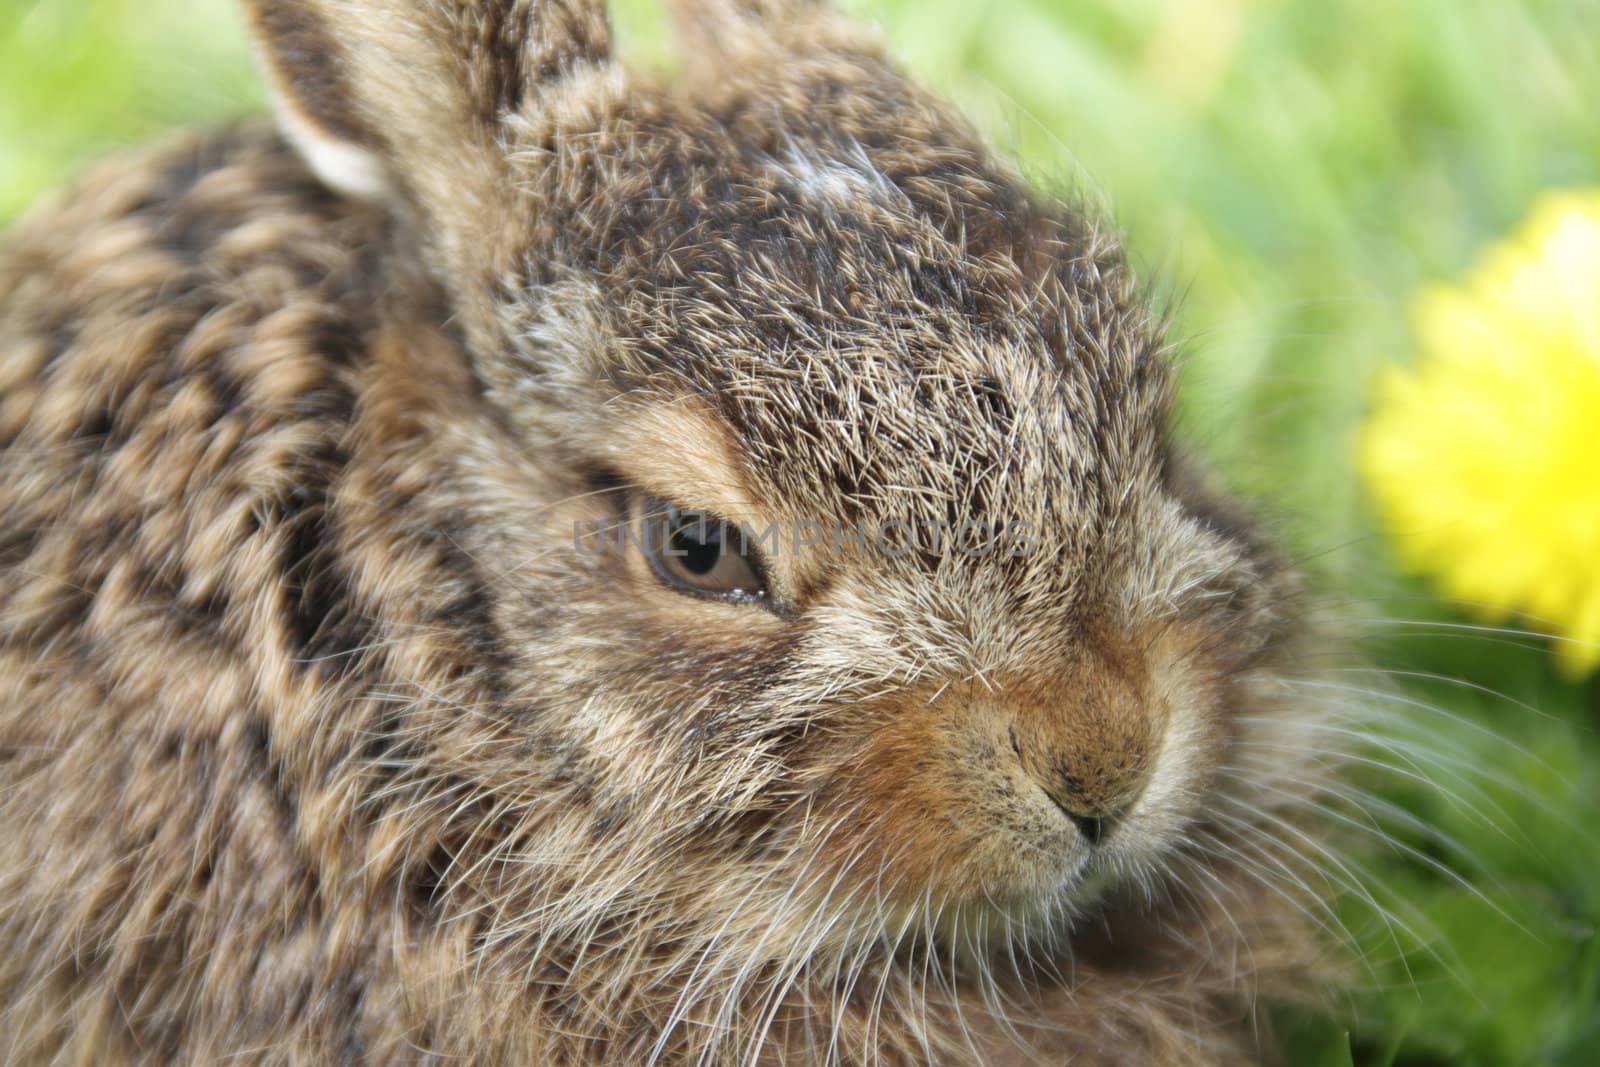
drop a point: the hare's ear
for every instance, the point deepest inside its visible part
(759, 11)
(732, 26)
(405, 98)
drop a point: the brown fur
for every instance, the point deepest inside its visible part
(321, 743)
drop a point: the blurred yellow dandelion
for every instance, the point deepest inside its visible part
(1484, 459)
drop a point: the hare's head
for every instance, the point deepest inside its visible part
(845, 574)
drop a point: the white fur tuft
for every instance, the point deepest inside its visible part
(342, 166)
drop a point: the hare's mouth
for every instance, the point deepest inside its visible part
(1018, 808)
(999, 865)
(981, 930)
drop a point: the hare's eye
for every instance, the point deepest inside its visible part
(698, 553)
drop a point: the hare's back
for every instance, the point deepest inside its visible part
(185, 347)
(182, 344)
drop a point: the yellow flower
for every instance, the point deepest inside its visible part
(1484, 459)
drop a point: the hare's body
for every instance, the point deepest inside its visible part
(323, 740)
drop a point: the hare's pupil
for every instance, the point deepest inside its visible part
(698, 546)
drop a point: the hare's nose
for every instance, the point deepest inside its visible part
(1089, 740)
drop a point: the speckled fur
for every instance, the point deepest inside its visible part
(319, 742)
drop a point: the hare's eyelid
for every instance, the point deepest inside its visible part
(683, 451)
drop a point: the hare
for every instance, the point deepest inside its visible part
(525, 562)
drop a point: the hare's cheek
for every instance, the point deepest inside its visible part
(937, 811)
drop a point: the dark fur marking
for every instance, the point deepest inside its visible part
(328, 624)
(201, 616)
(386, 753)
(611, 816)
(179, 228)
(207, 870)
(224, 388)
(470, 612)
(179, 174)
(257, 737)
(425, 885)
(340, 340)
(97, 427)
(352, 992)
(18, 540)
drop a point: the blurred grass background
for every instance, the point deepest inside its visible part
(1288, 172)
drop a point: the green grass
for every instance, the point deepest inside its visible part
(1287, 172)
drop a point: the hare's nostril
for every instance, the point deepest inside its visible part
(1092, 827)
(1096, 807)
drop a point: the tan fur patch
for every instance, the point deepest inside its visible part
(683, 453)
